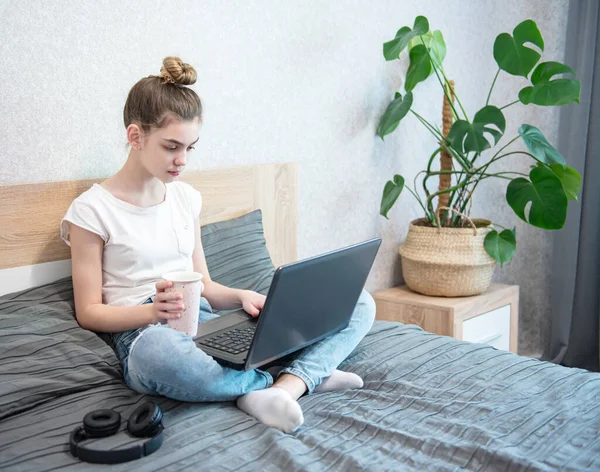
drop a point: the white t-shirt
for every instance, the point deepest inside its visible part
(140, 244)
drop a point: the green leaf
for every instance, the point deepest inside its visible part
(393, 48)
(539, 146)
(546, 70)
(391, 192)
(435, 44)
(394, 113)
(545, 192)
(419, 68)
(500, 246)
(437, 47)
(546, 92)
(511, 54)
(570, 179)
(467, 137)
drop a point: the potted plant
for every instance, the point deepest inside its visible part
(447, 253)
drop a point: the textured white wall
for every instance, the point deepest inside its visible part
(300, 81)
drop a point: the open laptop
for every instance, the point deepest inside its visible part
(307, 301)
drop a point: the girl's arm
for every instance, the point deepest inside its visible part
(86, 260)
(219, 296)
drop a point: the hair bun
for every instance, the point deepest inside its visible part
(175, 71)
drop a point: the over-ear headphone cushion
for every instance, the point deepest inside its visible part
(101, 423)
(146, 420)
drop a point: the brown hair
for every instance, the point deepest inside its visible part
(155, 99)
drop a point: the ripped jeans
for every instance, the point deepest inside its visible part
(158, 360)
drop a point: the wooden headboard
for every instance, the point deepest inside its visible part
(30, 213)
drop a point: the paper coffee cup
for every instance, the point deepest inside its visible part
(190, 286)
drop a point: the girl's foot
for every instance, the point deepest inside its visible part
(274, 407)
(339, 380)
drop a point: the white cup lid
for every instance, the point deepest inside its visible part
(183, 276)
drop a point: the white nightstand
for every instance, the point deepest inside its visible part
(489, 318)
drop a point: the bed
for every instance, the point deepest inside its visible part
(429, 402)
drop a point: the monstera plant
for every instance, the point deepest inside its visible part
(467, 144)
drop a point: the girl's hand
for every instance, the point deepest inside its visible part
(252, 302)
(166, 306)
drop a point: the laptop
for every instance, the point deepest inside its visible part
(308, 301)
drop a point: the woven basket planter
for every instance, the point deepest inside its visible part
(447, 262)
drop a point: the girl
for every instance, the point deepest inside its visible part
(141, 223)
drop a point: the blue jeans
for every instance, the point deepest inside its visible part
(158, 360)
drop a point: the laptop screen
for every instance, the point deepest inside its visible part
(310, 300)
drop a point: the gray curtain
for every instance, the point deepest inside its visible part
(575, 317)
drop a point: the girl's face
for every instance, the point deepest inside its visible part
(165, 151)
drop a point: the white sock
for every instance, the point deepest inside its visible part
(274, 407)
(339, 380)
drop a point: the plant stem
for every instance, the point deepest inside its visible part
(470, 194)
(497, 174)
(491, 88)
(451, 200)
(430, 127)
(455, 96)
(505, 146)
(464, 190)
(443, 84)
(424, 183)
(435, 153)
(506, 106)
(484, 176)
(443, 139)
(484, 168)
(463, 161)
(516, 152)
(466, 170)
(427, 215)
(436, 133)
(440, 192)
(498, 157)
(481, 172)
(416, 177)
(501, 174)
(440, 172)
(433, 65)
(418, 198)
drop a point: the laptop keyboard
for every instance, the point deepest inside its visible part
(233, 341)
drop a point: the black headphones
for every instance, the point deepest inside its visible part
(145, 421)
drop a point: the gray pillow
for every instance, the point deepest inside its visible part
(44, 354)
(236, 253)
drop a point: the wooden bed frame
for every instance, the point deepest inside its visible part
(30, 214)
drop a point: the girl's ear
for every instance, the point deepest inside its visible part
(134, 136)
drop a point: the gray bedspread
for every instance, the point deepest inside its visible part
(429, 403)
